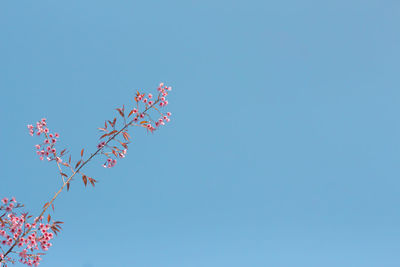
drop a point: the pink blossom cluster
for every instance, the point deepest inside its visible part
(14, 228)
(8, 205)
(149, 103)
(47, 148)
(112, 162)
(141, 117)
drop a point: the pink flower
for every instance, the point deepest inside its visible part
(111, 163)
(56, 135)
(37, 146)
(151, 103)
(169, 114)
(13, 199)
(145, 100)
(4, 200)
(150, 96)
(100, 145)
(22, 254)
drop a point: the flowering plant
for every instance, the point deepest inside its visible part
(24, 239)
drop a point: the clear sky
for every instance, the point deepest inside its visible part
(283, 149)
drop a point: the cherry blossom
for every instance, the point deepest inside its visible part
(24, 240)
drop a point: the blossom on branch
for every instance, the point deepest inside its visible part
(27, 241)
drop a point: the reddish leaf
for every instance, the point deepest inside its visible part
(48, 218)
(123, 144)
(130, 113)
(62, 152)
(126, 136)
(45, 205)
(63, 174)
(52, 206)
(114, 121)
(84, 178)
(102, 129)
(54, 230)
(69, 161)
(104, 135)
(142, 122)
(105, 125)
(92, 181)
(120, 112)
(77, 164)
(115, 153)
(82, 152)
(68, 186)
(112, 132)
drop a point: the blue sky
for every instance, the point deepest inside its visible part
(283, 149)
